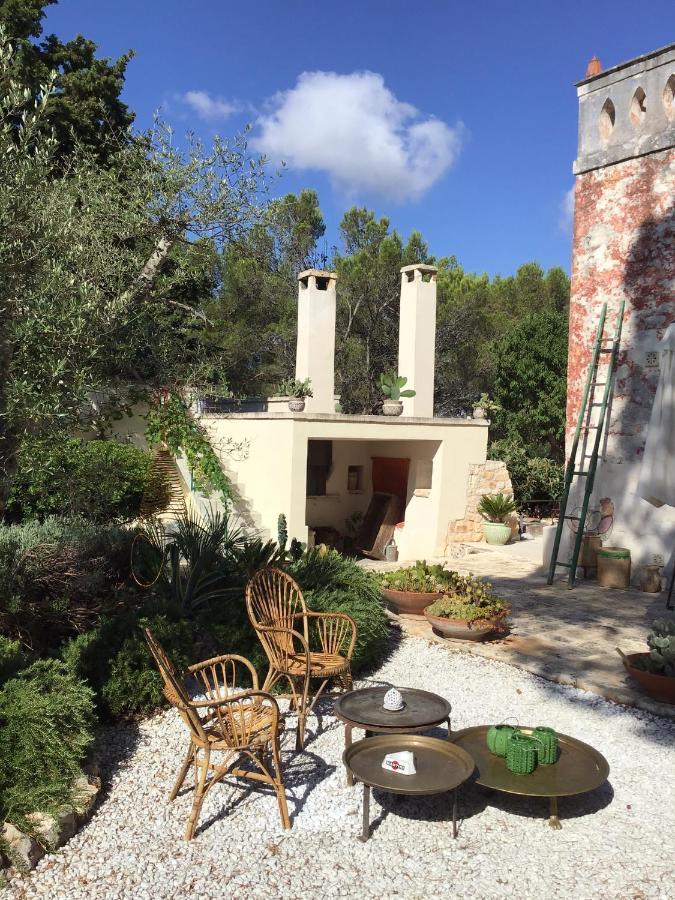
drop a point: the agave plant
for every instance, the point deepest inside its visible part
(661, 657)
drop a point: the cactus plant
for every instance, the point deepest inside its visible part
(282, 532)
(661, 657)
(391, 385)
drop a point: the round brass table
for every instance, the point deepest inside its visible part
(363, 709)
(440, 766)
(579, 769)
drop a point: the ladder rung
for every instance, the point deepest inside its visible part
(598, 383)
(564, 565)
(607, 350)
(573, 518)
(580, 472)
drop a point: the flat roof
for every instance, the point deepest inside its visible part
(345, 419)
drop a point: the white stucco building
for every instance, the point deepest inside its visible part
(320, 467)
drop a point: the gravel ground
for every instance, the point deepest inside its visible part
(615, 843)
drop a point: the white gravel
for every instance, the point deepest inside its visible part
(615, 843)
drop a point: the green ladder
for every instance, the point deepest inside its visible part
(603, 347)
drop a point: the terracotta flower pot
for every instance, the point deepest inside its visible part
(410, 603)
(459, 629)
(659, 687)
(392, 407)
(497, 533)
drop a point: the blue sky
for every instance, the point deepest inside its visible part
(458, 119)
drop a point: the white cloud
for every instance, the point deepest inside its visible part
(567, 210)
(207, 106)
(353, 128)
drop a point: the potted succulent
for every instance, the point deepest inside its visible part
(296, 391)
(654, 670)
(409, 590)
(468, 610)
(391, 385)
(483, 406)
(495, 509)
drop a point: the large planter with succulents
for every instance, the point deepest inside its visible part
(296, 391)
(468, 610)
(495, 509)
(456, 606)
(654, 670)
(391, 385)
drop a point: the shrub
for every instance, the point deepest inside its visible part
(11, 658)
(58, 577)
(47, 718)
(534, 478)
(332, 583)
(115, 661)
(102, 481)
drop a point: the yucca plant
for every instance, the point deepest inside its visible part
(496, 507)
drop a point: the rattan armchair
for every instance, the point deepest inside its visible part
(283, 623)
(233, 722)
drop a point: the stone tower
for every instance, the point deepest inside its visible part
(624, 249)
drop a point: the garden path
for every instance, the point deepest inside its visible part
(614, 841)
(568, 636)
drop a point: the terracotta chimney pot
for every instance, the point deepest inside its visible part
(594, 67)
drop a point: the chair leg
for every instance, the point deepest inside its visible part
(203, 766)
(187, 762)
(279, 785)
(302, 715)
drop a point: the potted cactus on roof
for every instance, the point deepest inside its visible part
(391, 385)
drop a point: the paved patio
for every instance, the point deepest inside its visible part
(567, 636)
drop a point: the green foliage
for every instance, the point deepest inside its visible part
(291, 387)
(332, 583)
(661, 657)
(420, 578)
(391, 385)
(530, 384)
(12, 658)
(170, 422)
(47, 720)
(484, 402)
(471, 599)
(58, 577)
(496, 507)
(86, 108)
(114, 659)
(282, 532)
(98, 480)
(533, 478)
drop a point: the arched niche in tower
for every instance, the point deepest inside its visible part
(607, 120)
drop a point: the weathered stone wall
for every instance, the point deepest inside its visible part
(624, 249)
(491, 477)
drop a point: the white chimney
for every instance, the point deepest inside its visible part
(417, 337)
(315, 352)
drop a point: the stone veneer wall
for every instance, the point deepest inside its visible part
(491, 477)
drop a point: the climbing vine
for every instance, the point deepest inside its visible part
(170, 422)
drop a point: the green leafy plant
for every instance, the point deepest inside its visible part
(484, 402)
(391, 385)
(536, 479)
(331, 582)
(282, 532)
(496, 507)
(661, 657)
(170, 422)
(47, 717)
(101, 481)
(420, 578)
(12, 658)
(291, 387)
(471, 600)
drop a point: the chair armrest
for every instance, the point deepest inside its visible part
(277, 653)
(229, 714)
(334, 628)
